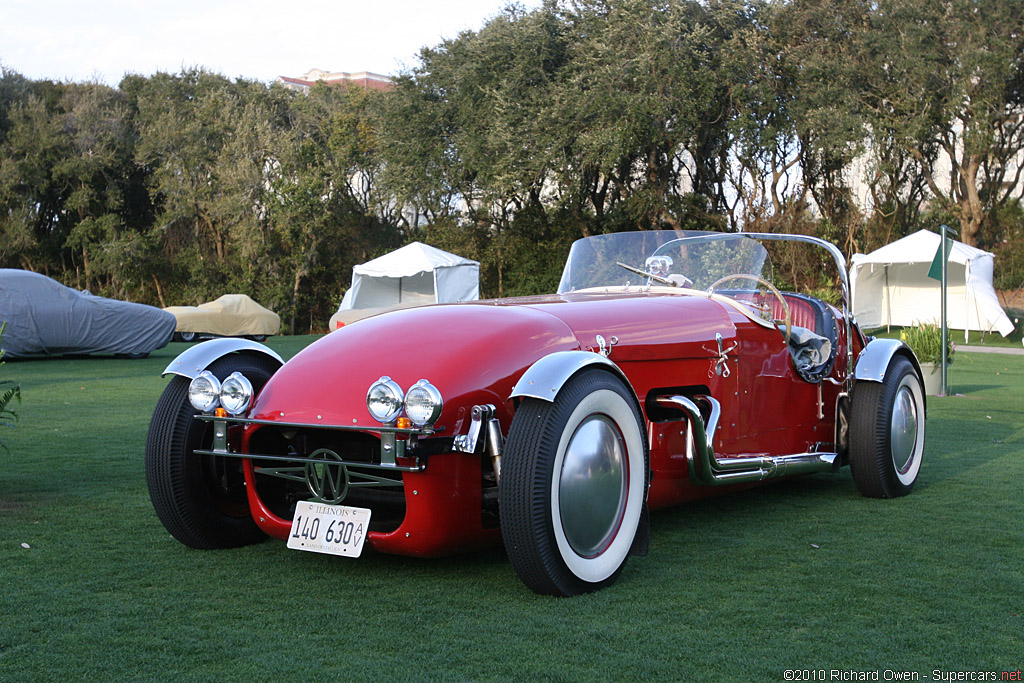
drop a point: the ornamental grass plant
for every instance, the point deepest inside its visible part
(925, 340)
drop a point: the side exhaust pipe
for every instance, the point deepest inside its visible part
(707, 470)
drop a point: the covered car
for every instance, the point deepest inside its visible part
(45, 317)
(666, 368)
(232, 315)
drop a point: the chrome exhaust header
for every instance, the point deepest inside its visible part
(707, 470)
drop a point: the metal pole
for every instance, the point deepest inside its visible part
(945, 331)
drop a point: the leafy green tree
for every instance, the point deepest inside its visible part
(94, 177)
(471, 140)
(817, 39)
(184, 122)
(766, 145)
(326, 208)
(421, 164)
(14, 89)
(32, 229)
(945, 85)
(641, 108)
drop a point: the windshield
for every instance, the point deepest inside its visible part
(692, 259)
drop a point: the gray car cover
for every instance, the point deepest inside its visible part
(45, 317)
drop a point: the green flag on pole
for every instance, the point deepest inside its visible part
(935, 272)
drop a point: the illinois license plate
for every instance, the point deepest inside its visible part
(331, 529)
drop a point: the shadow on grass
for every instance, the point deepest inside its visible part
(965, 389)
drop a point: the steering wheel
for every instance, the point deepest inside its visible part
(787, 318)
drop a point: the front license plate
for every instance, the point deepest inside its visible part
(331, 529)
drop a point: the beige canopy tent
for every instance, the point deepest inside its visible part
(891, 286)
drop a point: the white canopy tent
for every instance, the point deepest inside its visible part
(414, 275)
(891, 286)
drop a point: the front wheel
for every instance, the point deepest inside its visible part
(573, 484)
(200, 499)
(887, 432)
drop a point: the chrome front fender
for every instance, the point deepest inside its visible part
(874, 360)
(199, 357)
(545, 378)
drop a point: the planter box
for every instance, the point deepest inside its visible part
(933, 378)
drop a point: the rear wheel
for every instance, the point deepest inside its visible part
(573, 482)
(887, 432)
(185, 336)
(200, 499)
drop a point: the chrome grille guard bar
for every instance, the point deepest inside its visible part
(391, 447)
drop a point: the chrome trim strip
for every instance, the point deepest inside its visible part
(424, 431)
(296, 458)
(195, 359)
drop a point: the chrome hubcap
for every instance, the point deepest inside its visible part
(903, 429)
(592, 486)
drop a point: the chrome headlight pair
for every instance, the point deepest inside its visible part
(422, 405)
(206, 392)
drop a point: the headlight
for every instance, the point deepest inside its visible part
(204, 392)
(384, 400)
(423, 403)
(236, 393)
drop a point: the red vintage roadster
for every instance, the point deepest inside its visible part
(667, 367)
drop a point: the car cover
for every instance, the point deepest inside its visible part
(232, 315)
(45, 317)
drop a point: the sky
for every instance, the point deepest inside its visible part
(90, 40)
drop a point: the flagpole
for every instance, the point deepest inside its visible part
(943, 229)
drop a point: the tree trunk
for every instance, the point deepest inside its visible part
(972, 210)
(159, 293)
(295, 298)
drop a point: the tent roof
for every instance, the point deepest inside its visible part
(920, 247)
(411, 259)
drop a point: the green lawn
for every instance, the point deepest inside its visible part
(803, 574)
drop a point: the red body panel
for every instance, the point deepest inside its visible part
(475, 353)
(442, 511)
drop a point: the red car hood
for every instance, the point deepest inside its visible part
(475, 352)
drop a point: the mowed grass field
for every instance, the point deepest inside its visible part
(804, 574)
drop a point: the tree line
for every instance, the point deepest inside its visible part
(859, 121)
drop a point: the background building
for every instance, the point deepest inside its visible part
(366, 79)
